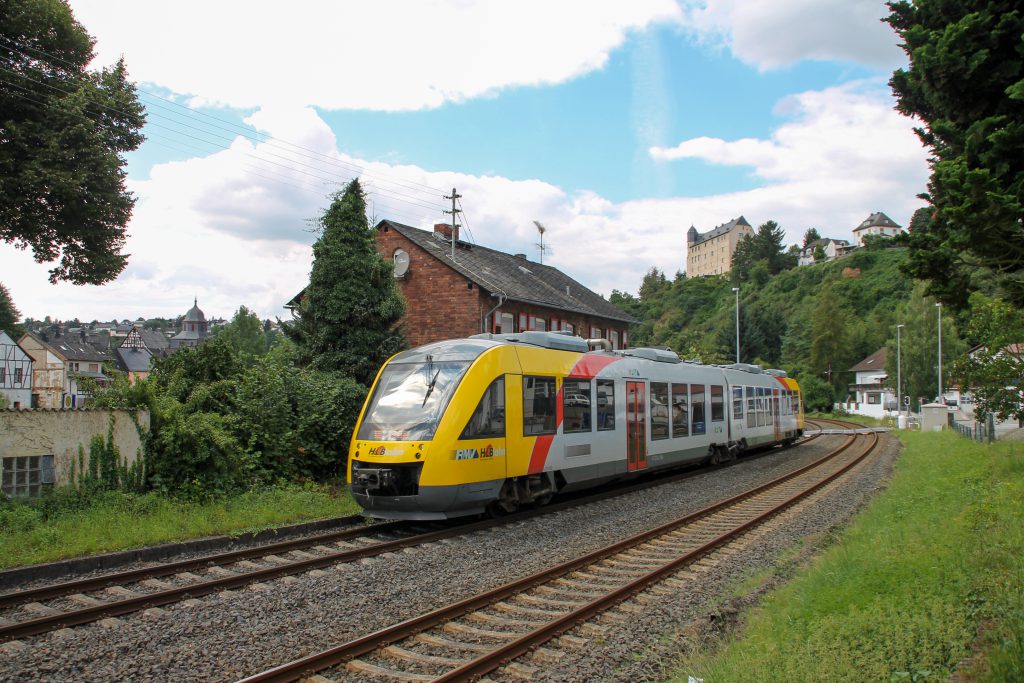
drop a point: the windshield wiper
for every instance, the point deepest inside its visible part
(430, 388)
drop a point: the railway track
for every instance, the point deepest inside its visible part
(475, 636)
(33, 611)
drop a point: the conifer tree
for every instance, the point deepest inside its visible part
(829, 343)
(8, 313)
(348, 314)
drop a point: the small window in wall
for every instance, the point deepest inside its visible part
(3, 375)
(595, 332)
(625, 342)
(737, 403)
(613, 337)
(523, 323)
(568, 327)
(697, 408)
(538, 323)
(659, 410)
(680, 412)
(576, 406)
(539, 407)
(717, 404)
(488, 420)
(554, 325)
(18, 376)
(605, 404)
(27, 475)
(874, 398)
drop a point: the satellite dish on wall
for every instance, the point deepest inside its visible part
(401, 263)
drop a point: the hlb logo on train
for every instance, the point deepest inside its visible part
(382, 450)
(487, 451)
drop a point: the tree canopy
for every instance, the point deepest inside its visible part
(347, 316)
(965, 81)
(63, 130)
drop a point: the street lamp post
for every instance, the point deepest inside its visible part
(938, 305)
(899, 372)
(736, 291)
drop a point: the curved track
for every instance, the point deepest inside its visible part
(470, 638)
(38, 610)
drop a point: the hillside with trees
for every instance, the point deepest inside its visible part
(815, 322)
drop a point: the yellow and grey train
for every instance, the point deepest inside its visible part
(495, 422)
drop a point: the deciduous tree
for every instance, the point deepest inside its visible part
(966, 83)
(994, 372)
(63, 130)
(347, 317)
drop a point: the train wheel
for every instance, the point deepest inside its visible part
(507, 502)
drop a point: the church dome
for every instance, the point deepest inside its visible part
(195, 315)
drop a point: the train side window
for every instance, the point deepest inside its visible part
(697, 408)
(751, 406)
(737, 403)
(659, 410)
(761, 409)
(680, 412)
(488, 420)
(576, 406)
(717, 404)
(540, 409)
(605, 404)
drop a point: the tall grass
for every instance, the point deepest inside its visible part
(934, 565)
(72, 523)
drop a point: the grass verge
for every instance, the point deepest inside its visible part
(931, 569)
(69, 524)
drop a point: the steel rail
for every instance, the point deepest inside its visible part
(46, 623)
(297, 669)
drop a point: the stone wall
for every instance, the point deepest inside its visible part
(60, 432)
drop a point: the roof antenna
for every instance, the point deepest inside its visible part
(540, 245)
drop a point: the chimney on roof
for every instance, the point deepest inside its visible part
(522, 256)
(446, 230)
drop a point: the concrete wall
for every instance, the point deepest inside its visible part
(59, 433)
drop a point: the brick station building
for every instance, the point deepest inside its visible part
(484, 290)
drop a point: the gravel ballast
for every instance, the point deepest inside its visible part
(234, 634)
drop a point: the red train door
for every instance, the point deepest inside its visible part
(636, 426)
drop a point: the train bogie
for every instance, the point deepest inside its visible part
(498, 421)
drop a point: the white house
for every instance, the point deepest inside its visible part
(876, 224)
(868, 393)
(15, 373)
(831, 247)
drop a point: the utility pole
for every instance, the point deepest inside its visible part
(938, 305)
(736, 290)
(455, 214)
(899, 372)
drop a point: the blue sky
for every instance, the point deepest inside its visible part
(601, 120)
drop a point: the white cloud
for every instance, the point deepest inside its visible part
(384, 55)
(232, 229)
(775, 34)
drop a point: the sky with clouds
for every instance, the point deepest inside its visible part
(617, 125)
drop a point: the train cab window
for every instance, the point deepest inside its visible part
(576, 406)
(488, 420)
(717, 404)
(680, 411)
(697, 408)
(540, 409)
(659, 410)
(751, 406)
(737, 403)
(605, 404)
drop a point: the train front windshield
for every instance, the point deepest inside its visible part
(410, 399)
